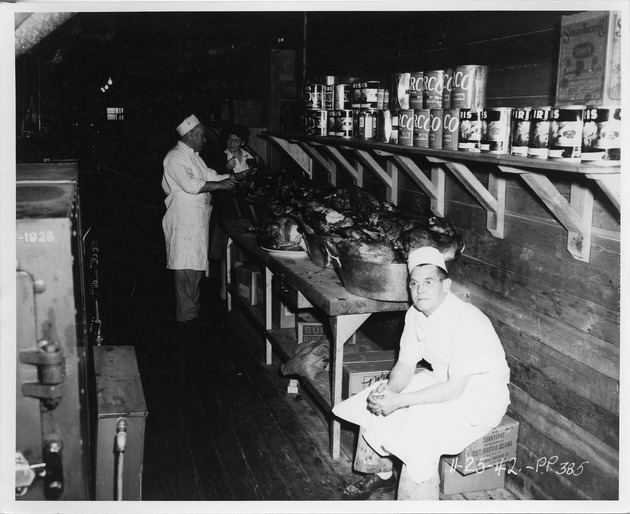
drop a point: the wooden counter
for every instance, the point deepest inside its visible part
(317, 287)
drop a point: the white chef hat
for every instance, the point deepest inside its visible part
(425, 255)
(187, 125)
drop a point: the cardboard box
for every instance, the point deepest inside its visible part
(589, 66)
(248, 278)
(309, 328)
(360, 375)
(452, 482)
(281, 315)
(497, 447)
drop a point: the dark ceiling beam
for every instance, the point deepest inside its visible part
(31, 29)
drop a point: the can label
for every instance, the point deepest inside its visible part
(344, 123)
(421, 127)
(382, 100)
(313, 96)
(435, 128)
(565, 133)
(400, 91)
(356, 95)
(393, 138)
(405, 127)
(384, 126)
(332, 123)
(447, 89)
(329, 97)
(469, 86)
(495, 130)
(367, 124)
(450, 129)
(316, 122)
(519, 133)
(538, 146)
(369, 94)
(416, 86)
(470, 129)
(601, 137)
(433, 89)
(342, 96)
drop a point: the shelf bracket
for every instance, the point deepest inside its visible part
(433, 188)
(343, 162)
(315, 155)
(296, 153)
(609, 183)
(575, 215)
(491, 199)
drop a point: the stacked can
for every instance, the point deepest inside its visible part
(538, 145)
(447, 89)
(405, 127)
(433, 89)
(435, 128)
(416, 89)
(421, 127)
(314, 119)
(450, 129)
(565, 133)
(343, 95)
(601, 137)
(316, 122)
(495, 130)
(400, 91)
(470, 129)
(469, 86)
(519, 133)
(384, 117)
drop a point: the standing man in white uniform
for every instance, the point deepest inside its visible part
(188, 183)
(418, 417)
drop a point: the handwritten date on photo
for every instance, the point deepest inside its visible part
(543, 465)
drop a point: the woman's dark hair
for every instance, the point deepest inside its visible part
(237, 130)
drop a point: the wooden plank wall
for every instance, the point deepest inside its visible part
(558, 318)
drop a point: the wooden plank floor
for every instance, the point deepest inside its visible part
(221, 426)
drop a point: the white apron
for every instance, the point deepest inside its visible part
(186, 223)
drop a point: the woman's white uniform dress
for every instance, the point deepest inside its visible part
(456, 339)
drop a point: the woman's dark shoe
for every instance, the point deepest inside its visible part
(368, 485)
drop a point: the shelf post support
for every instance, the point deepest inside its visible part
(433, 188)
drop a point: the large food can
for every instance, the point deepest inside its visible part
(421, 127)
(447, 89)
(433, 89)
(601, 137)
(435, 128)
(367, 121)
(565, 133)
(519, 133)
(538, 146)
(450, 129)
(382, 100)
(495, 130)
(343, 93)
(470, 129)
(313, 96)
(416, 86)
(344, 123)
(384, 126)
(369, 94)
(329, 97)
(316, 122)
(469, 86)
(400, 91)
(405, 127)
(357, 94)
(393, 138)
(332, 122)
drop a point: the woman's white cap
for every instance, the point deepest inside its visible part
(187, 125)
(425, 255)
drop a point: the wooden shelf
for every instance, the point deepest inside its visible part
(575, 214)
